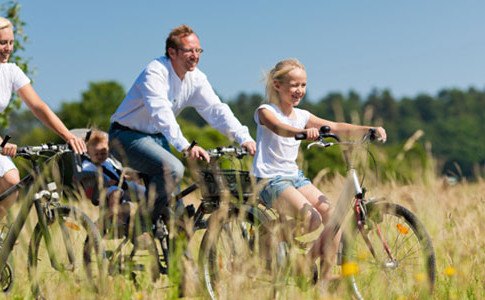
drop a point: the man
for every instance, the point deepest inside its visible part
(144, 124)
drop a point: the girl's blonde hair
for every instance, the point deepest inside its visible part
(278, 73)
(5, 23)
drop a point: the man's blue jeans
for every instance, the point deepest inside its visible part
(150, 155)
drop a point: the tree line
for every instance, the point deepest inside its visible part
(448, 125)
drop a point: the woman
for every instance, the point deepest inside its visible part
(13, 79)
(285, 187)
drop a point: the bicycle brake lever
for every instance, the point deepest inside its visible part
(320, 144)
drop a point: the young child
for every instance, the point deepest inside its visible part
(118, 192)
(285, 187)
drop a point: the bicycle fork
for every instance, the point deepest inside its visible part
(45, 215)
(361, 219)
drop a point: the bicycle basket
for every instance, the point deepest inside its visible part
(237, 182)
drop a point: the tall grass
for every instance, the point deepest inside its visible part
(453, 215)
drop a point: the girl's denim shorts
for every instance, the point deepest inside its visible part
(276, 185)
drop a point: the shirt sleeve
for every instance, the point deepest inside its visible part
(256, 112)
(154, 89)
(306, 116)
(19, 78)
(218, 114)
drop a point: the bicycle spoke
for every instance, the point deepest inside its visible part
(407, 272)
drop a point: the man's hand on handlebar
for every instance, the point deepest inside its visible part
(196, 152)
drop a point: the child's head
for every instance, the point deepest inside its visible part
(280, 75)
(98, 146)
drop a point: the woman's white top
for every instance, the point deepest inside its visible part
(276, 155)
(12, 78)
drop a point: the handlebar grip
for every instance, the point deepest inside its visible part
(300, 136)
(5, 140)
(372, 134)
(325, 129)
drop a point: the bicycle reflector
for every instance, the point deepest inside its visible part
(402, 229)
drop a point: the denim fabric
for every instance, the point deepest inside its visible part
(150, 155)
(276, 185)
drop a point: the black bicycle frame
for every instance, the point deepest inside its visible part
(18, 224)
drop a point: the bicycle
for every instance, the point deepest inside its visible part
(144, 262)
(380, 241)
(66, 231)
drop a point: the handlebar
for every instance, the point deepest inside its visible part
(28, 151)
(5, 140)
(238, 152)
(371, 135)
(324, 133)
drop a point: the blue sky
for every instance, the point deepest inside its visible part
(409, 47)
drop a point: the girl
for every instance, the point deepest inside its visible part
(285, 187)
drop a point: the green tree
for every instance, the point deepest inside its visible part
(96, 106)
(244, 106)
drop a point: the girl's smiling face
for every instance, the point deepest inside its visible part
(292, 88)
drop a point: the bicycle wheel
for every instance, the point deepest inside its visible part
(392, 257)
(60, 262)
(7, 278)
(230, 257)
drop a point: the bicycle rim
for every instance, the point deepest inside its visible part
(403, 263)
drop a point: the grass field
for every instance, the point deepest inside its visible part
(453, 215)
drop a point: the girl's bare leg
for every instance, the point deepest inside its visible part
(326, 246)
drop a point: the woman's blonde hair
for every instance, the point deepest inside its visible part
(278, 73)
(5, 23)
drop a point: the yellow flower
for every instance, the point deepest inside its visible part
(139, 296)
(420, 277)
(349, 269)
(402, 229)
(450, 271)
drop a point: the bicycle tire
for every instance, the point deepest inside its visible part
(69, 228)
(7, 278)
(228, 252)
(411, 273)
